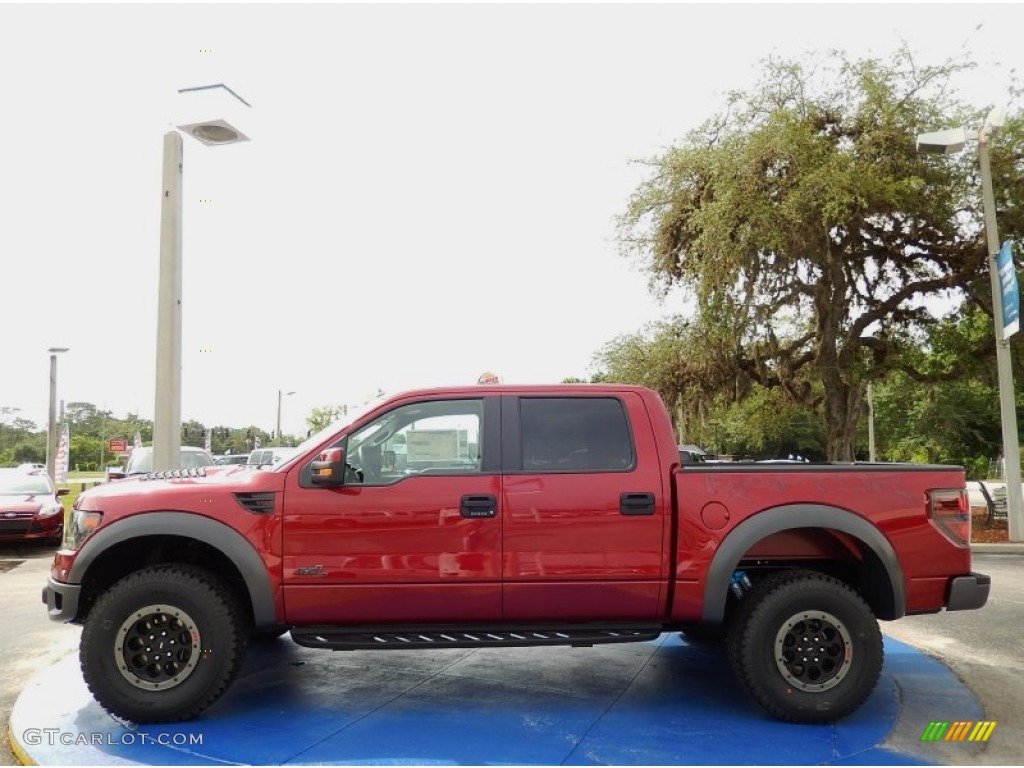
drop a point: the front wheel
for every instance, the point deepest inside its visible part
(162, 644)
(806, 646)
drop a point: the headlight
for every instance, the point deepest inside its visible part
(50, 511)
(79, 528)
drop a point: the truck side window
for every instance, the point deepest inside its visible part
(437, 437)
(575, 434)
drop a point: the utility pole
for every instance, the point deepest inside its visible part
(871, 423)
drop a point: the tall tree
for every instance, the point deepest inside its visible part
(815, 241)
(672, 358)
(321, 416)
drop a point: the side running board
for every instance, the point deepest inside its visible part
(398, 638)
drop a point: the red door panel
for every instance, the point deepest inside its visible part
(391, 554)
(570, 554)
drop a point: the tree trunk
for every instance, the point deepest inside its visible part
(844, 406)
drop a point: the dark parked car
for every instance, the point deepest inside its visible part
(29, 507)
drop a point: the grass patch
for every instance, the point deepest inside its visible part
(74, 490)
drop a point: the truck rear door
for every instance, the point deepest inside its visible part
(584, 511)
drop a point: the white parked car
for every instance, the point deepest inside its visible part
(141, 461)
(271, 456)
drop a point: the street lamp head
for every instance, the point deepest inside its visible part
(947, 142)
(54, 350)
(211, 114)
(996, 118)
(214, 132)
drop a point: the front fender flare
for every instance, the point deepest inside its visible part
(227, 540)
(763, 524)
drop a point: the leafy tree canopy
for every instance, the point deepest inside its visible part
(815, 242)
(325, 415)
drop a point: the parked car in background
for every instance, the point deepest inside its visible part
(231, 458)
(692, 454)
(271, 456)
(141, 461)
(30, 507)
(32, 467)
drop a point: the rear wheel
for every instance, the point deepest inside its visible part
(162, 644)
(806, 646)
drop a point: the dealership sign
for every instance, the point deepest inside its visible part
(1008, 286)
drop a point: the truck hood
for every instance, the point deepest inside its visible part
(187, 490)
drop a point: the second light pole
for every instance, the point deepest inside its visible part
(277, 434)
(51, 430)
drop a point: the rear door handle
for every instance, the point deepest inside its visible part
(478, 506)
(636, 503)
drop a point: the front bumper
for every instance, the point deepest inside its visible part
(45, 528)
(968, 593)
(61, 600)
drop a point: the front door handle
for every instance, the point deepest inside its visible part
(478, 506)
(636, 504)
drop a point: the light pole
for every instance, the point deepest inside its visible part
(871, 423)
(278, 433)
(948, 143)
(212, 132)
(51, 430)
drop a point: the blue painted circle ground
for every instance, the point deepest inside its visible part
(658, 703)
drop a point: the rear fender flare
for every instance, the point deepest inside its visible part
(763, 524)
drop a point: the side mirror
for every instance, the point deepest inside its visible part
(329, 468)
(62, 491)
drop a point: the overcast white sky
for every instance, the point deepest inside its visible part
(430, 192)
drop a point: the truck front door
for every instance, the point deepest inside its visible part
(584, 510)
(414, 535)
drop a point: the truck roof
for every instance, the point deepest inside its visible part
(477, 390)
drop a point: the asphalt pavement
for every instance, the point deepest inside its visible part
(986, 651)
(31, 642)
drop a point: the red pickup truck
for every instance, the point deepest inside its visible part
(509, 516)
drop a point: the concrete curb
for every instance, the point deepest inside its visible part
(1015, 548)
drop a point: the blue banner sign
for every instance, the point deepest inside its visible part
(1011, 294)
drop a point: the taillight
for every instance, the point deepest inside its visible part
(950, 512)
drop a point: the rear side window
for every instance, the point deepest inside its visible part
(581, 434)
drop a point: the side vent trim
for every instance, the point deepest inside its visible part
(256, 503)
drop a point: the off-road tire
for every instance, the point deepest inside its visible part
(163, 643)
(806, 647)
